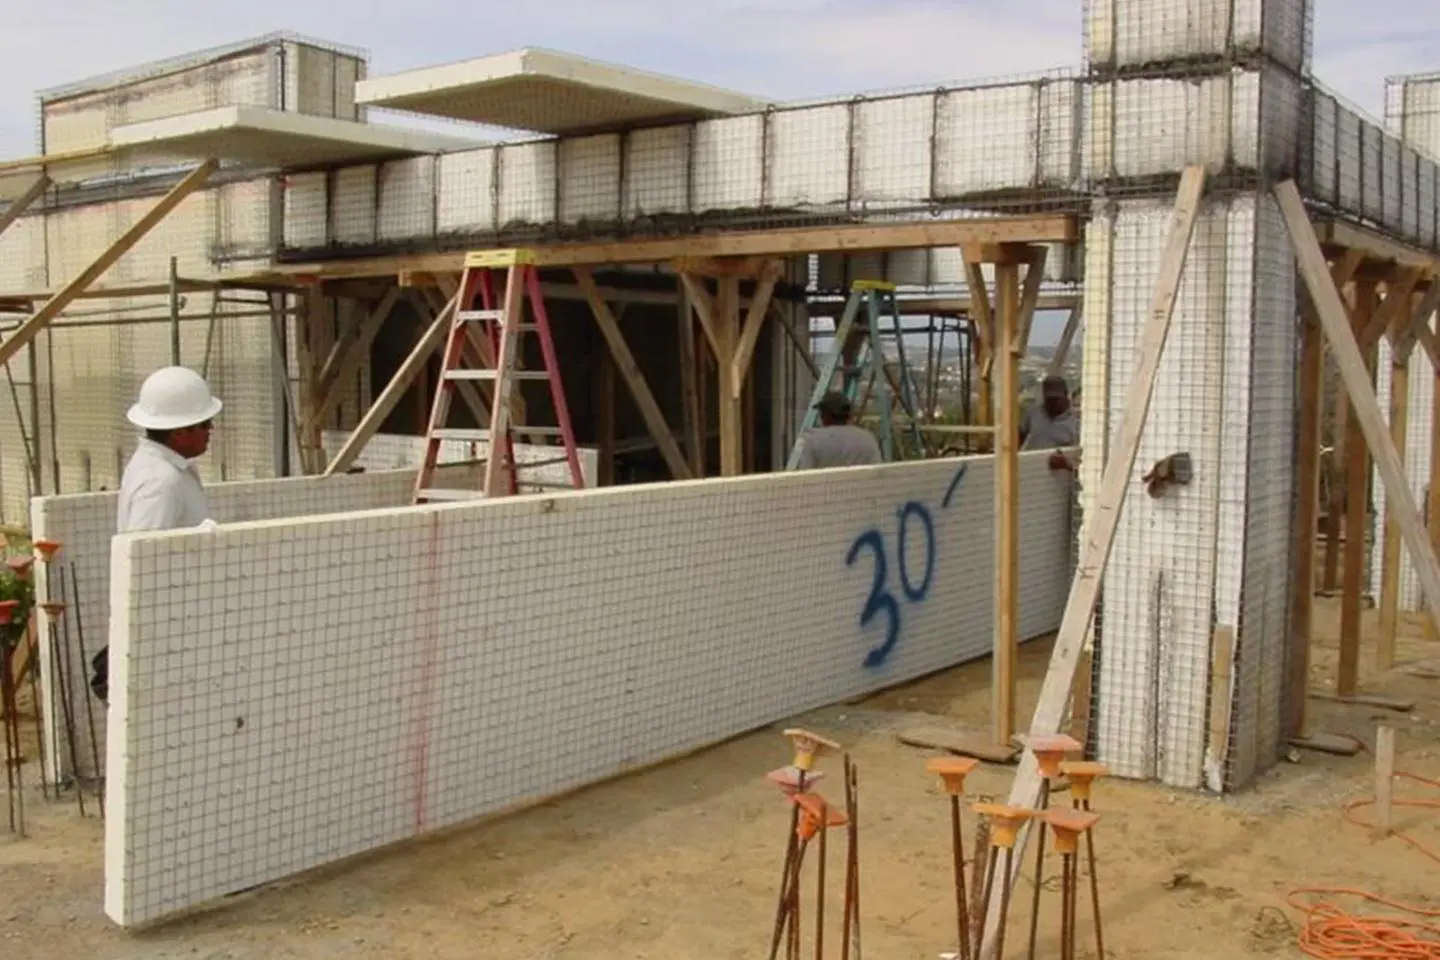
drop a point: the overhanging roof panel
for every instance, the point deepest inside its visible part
(549, 92)
(273, 138)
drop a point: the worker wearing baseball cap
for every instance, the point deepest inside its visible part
(837, 442)
(161, 489)
(1051, 424)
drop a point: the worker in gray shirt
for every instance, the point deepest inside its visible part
(1051, 424)
(837, 442)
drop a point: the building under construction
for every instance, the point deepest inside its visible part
(1192, 196)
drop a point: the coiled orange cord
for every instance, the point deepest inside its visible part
(1331, 933)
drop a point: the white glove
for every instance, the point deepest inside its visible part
(207, 525)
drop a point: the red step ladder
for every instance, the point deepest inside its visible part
(484, 349)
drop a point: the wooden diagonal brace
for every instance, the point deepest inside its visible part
(704, 309)
(1355, 374)
(629, 371)
(755, 319)
(52, 308)
(22, 203)
(1114, 483)
(1029, 299)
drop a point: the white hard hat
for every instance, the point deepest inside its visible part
(172, 398)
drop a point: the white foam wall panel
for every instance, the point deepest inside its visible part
(406, 199)
(393, 451)
(893, 161)
(1372, 168)
(1324, 157)
(1409, 222)
(353, 205)
(1419, 112)
(935, 267)
(305, 198)
(1350, 154)
(728, 164)
(84, 523)
(1390, 182)
(465, 201)
(1123, 33)
(399, 680)
(657, 180)
(985, 140)
(590, 179)
(527, 183)
(804, 168)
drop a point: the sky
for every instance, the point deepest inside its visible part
(777, 49)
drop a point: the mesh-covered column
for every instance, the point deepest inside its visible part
(1175, 84)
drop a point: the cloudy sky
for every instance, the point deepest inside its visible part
(785, 49)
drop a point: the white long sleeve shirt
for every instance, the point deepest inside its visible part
(160, 491)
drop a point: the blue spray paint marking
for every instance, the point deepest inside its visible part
(881, 600)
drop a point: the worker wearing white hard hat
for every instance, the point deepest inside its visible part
(161, 489)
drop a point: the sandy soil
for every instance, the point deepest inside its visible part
(682, 861)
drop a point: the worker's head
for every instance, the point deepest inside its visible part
(834, 409)
(176, 409)
(1054, 395)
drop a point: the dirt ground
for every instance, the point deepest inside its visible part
(682, 861)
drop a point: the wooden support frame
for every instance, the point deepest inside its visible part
(1357, 500)
(1402, 343)
(629, 372)
(20, 204)
(1073, 324)
(1352, 371)
(1100, 528)
(62, 298)
(1009, 328)
(350, 351)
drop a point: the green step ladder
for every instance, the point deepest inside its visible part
(858, 349)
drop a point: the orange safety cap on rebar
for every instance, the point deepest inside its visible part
(47, 549)
(813, 812)
(787, 778)
(52, 609)
(1050, 750)
(1083, 774)
(808, 746)
(1005, 821)
(953, 771)
(1068, 824)
(20, 566)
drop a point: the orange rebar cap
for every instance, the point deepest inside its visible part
(1005, 821)
(808, 746)
(787, 778)
(1068, 824)
(1050, 750)
(953, 771)
(814, 811)
(47, 549)
(1083, 774)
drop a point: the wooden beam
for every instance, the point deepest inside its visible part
(1401, 348)
(48, 311)
(689, 383)
(755, 319)
(1357, 505)
(1067, 336)
(351, 350)
(1352, 370)
(1389, 313)
(1100, 536)
(704, 309)
(727, 320)
(1343, 271)
(1311, 377)
(630, 373)
(1373, 245)
(1039, 228)
(22, 202)
(1034, 276)
(411, 368)
(1006, 640)
(944, 306)
(983, 321)
(745, 268)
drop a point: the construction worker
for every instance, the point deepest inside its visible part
(837, 442)
(1051, 424)
(161, 489)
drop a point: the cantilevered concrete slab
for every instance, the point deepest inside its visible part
(261, 137)
(549, 92)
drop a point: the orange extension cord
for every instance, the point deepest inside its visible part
(1331, 933)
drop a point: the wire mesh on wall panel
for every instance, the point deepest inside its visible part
(984, 149)
(1136, 34)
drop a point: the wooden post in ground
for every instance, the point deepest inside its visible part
(982, 321)
(1307, 490)
(1357, 513)
(1402, 341)
(692, 428)
(1384, 782)
(727, 321)
(1007, 502)
(1100, 528)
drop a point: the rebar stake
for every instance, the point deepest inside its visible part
(1068, 825)
(1083, 774)
(14, 748)
(850, 933)
(817, 817)
(53, 611)
(1005, 825)
(793, 781)
(952, 772)
(1049, 753)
